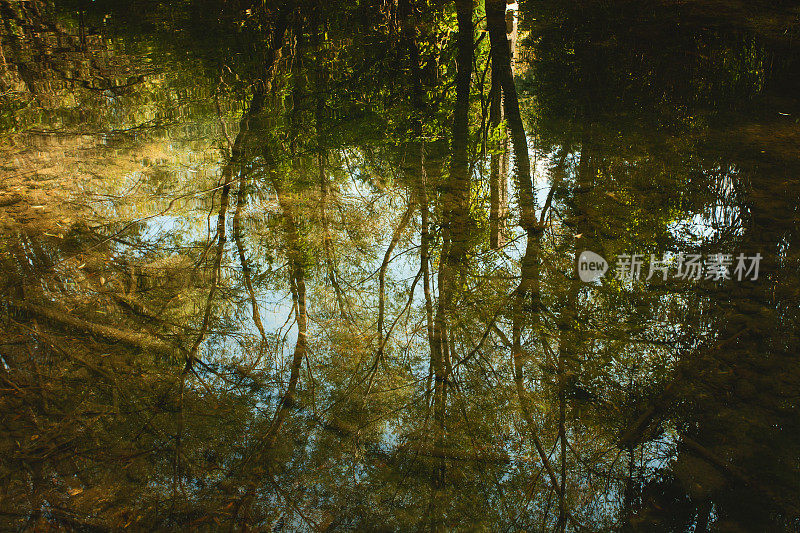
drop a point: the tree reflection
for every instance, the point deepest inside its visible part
(305, 266)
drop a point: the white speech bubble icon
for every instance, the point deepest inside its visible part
(591, 266)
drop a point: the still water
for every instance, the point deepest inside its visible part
(399, 265)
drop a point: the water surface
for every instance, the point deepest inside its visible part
(314, 266)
